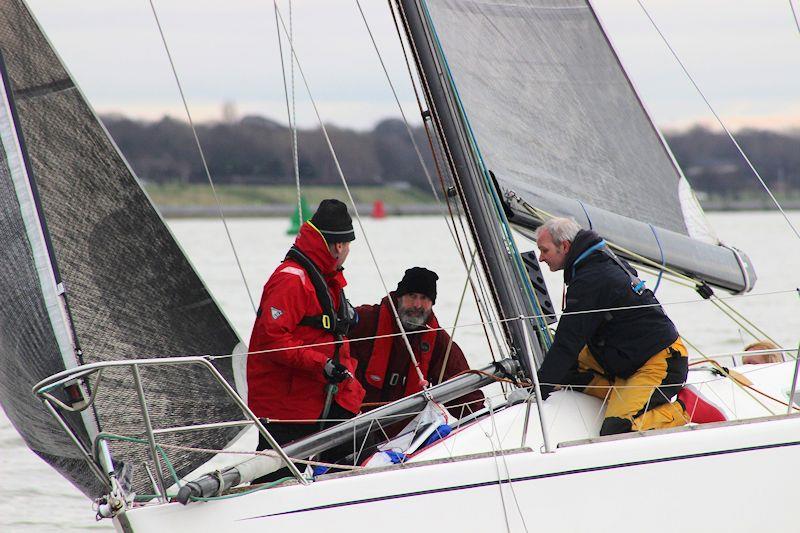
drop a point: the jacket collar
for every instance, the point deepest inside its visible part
(582, 244)
(311, 242)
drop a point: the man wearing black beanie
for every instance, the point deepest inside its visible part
(299, 364)
(385, 368)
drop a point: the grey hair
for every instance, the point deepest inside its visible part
(560, 229)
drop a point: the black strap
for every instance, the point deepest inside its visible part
(320, 288)
(637, 285)
(317, 321)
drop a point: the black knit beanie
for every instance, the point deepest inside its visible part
(419, 280)
(333, 221)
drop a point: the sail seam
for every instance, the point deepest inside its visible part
(44, 89)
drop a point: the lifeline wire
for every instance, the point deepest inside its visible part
(504, 320)
(202, 153)
(719, 119)
(353, 203)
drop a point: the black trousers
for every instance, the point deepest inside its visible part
(284, 433)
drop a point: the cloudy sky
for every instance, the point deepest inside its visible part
(745, 56)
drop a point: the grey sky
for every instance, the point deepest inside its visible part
(745, 55)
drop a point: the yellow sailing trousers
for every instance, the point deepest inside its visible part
(641, 401)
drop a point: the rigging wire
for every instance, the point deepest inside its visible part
(725, 374)
(719, 119)
(725, 308)
(794, 15)
(505, 320)
(481, 298)
(506, 235)
(202, 153)
(291, 112)
(353, 203)
(415, 144)
(455, 322)
(508, 476)
(484, 310)
(500, 479)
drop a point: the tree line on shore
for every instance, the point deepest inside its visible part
(256, 150)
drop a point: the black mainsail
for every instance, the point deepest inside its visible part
(90, 273)
(559, 123)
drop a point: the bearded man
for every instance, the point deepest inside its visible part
(385, 368)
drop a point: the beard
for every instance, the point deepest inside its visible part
(413, 317)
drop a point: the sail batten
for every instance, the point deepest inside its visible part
(557, 119)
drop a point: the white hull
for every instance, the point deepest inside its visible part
(735, 476)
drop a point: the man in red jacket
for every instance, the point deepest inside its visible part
(295, 370)
(384, 364)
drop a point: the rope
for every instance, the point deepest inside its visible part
(719, 119)
(728, 311)
(728, 376)
(496, 431)
(455, 323)
(399, 105)
(291, 112)
(419, 154)
(453, 235)
(509, 241)
(214, 357)
(353, 204)
(481, 298)
(497, 466)
(202, 154)
(663, 259)
(725, 373)
(585, 212)
(737, 313)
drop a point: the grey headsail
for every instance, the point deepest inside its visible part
(90, 273)
(560, 125)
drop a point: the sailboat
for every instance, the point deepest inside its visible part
(100, 307)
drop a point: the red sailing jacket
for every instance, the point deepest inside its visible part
(384, 366)
(289, 383)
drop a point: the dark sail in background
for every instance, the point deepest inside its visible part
(131, 292)
(559, 123)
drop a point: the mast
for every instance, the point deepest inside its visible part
(480, 199)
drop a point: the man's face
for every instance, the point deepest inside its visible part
(553, 255)
(339, 251)
(414, 309)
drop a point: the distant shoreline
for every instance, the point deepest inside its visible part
(364, 209)
(178, 200)
(284, 210)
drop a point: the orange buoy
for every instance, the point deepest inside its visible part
(378, 211)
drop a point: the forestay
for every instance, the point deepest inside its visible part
(130, 291)
(558, 122)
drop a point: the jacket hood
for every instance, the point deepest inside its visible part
(583, 240)
(311, 242)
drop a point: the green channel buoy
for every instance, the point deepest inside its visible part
(297, 220)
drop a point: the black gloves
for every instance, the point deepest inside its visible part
(335, 372)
